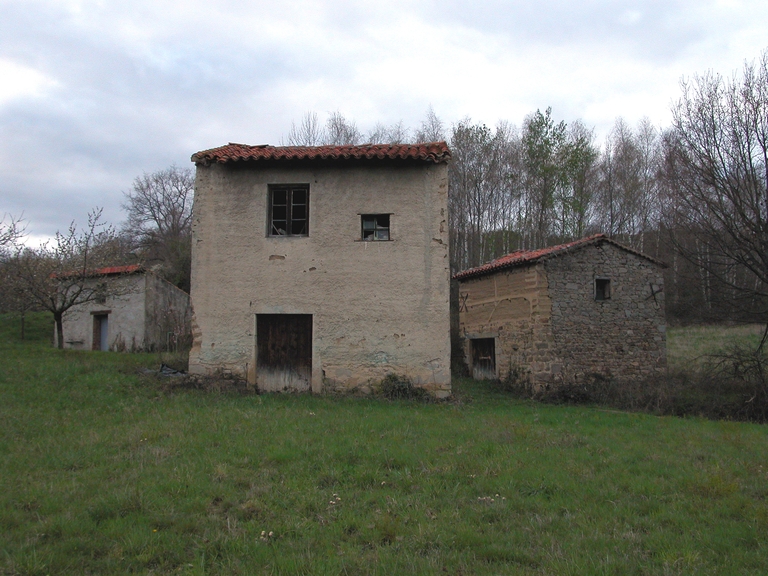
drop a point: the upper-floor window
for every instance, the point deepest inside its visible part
(602, 289)
(100, 294)
(375, 226)
(289, 210)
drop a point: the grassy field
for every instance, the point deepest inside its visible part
(101, 472)
(693, 344)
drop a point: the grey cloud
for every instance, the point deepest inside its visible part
(194, 76)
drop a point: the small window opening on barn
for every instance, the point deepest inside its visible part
(602, 289)
(101, 293)
(289, 210)
(483, 358)
(375, 227)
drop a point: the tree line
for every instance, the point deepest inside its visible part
(693, 194)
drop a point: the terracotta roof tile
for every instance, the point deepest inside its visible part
(107, 271)
(436, 152)
(525, 257)
(112, 270)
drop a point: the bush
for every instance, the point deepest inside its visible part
(398, 387)
(517, 381)
(729, 386)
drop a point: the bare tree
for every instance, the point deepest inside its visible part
(60, 274)
(481, 193)
(341, 132)
(307, 133)
(396, 133)
(431, 129)
(621, 183)
(718, 164)
(11, 230)
(159, 208)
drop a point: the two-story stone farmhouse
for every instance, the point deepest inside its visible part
(322, 268)
(134, 310)
(588, 309)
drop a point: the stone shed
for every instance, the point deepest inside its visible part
(591, 308)
(322, 268)
(139, 311)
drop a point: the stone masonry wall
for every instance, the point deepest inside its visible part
(620, 338)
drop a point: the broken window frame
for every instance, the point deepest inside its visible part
(602, 289)
(295, 202)
(379, 229)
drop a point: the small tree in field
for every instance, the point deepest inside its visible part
(60, 274)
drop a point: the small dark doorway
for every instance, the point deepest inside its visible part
(100, 332)
(284, 351)
(483, 358)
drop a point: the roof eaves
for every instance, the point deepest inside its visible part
(431, 152)
(535, 256)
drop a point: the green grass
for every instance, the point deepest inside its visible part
(692, 345)
(102, 473)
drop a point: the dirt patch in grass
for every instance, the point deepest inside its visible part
(209, 384)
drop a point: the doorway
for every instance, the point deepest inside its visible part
(100, 332)
(483, 358)
(283, 352)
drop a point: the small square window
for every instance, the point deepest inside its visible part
(375, 227)
(100, 294)
(602, 289)
(289, 210)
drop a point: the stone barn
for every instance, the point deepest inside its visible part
(138, 311)
(587, 309)
(322, 268)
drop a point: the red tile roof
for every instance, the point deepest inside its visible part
(436, 152)
(525, 257)
(107, 271)
(113, 270)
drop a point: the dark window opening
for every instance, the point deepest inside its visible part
(483, 358)
(289, 210)
(375, 227)
(602, 289)
(100, 294)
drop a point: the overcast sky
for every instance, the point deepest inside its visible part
(93, 93)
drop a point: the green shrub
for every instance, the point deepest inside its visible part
(398, 387)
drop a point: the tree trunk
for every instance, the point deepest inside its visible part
(23, 318)
(59, 330)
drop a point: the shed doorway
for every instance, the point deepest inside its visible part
(284, 352)
(483, 352)
(100, 332)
